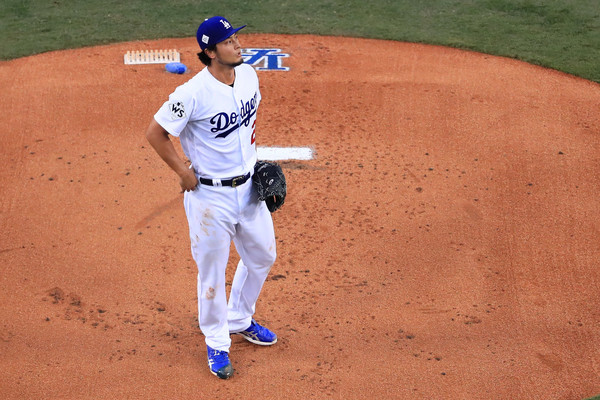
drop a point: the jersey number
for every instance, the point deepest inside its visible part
(253, 138)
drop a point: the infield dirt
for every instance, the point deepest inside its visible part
(443, 244)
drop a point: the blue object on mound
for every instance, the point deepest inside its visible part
(176, 68)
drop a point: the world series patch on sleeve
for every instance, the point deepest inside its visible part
(270, 184)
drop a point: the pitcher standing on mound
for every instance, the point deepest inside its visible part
(214, 116)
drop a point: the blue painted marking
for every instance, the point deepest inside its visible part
(271, 59)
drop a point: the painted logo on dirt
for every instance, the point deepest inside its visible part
(265, 59)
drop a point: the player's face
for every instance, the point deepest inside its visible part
(229, 52)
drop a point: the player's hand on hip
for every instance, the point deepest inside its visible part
(188, 180)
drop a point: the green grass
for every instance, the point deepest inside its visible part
(560, 34)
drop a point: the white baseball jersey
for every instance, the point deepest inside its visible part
(215, 122)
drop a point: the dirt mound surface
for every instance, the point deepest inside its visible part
(443, 244)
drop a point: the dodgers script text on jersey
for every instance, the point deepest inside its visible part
(229, 123)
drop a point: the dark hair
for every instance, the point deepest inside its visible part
(206, 60)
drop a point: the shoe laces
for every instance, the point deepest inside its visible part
(218, 357)
(259, 330)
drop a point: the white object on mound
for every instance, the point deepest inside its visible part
(152, 56)
(284, 153)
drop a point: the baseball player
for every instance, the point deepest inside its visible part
(214, 116)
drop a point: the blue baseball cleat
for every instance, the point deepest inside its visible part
(219, 364)
(258, 334)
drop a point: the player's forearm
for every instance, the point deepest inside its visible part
(159, 140)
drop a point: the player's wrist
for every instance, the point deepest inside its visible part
(183, 170)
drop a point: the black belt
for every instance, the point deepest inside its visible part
(233, 182)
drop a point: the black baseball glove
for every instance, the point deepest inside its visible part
(270, 184)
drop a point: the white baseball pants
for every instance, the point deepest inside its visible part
(216, 216)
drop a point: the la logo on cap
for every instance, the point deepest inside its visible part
(214, 30)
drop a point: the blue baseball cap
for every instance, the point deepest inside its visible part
(214, 30)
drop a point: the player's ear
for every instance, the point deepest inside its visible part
(210, 53)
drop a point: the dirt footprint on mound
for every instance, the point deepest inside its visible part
(71, 307)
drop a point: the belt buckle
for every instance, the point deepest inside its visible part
(234, 181)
